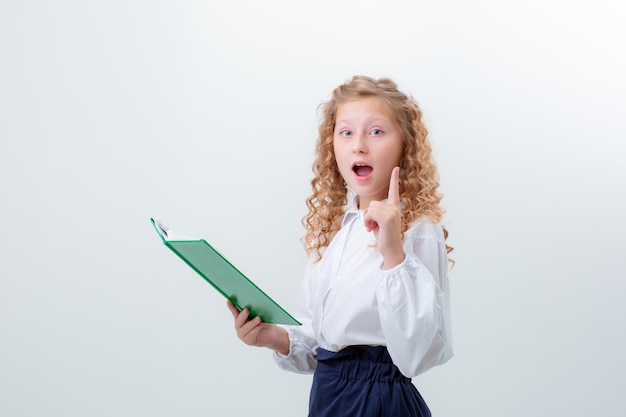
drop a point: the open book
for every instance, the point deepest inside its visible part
(223, 276)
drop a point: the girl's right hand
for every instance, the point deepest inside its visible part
(256, 333)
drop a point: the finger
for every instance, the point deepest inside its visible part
(233, 310)
(370, 225)
(367, 220)
(249, 325)
(242, 318)
(250, 328)
(394, 192)
(252, 333)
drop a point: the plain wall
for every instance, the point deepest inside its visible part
(203, 114)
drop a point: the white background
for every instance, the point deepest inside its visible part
(203, 114)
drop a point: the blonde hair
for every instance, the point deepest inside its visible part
(418, 181)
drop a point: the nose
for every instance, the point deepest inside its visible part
(359, 144)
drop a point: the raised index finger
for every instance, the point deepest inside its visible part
(394, 192)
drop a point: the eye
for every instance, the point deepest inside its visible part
(345, 133)
(376, 132)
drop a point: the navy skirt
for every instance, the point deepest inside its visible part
(362, 381)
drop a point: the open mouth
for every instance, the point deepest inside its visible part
(362, 170)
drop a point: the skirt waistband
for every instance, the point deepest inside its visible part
(360, 363)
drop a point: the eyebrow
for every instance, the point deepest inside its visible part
(376, 120)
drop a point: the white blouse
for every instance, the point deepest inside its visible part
(346, 299)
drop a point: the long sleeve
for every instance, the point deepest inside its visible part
(347, 300)
(414, 308)
(302, 343)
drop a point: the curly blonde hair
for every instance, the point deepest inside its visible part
(418, 180)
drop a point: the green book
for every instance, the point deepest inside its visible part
(223, 276)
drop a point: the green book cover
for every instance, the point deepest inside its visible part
(223, 276)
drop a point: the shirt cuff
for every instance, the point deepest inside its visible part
(291, 337)
(391, 271)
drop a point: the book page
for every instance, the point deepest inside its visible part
(170, 235)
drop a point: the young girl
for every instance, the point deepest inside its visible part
(374, 303)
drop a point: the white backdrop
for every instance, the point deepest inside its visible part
(203, 114)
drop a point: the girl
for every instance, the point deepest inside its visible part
(374, 303)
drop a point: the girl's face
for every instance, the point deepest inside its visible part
(368, 145)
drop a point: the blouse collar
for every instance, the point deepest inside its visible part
(351, 209)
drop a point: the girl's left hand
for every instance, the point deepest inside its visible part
(384, 219)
